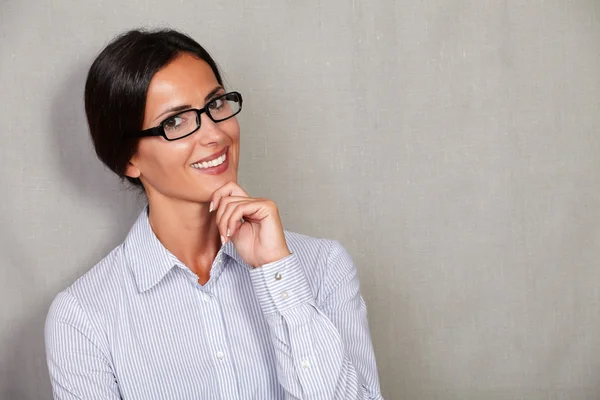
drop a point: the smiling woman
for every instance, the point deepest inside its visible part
(208, 296)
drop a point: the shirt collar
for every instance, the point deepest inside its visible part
(149, 260)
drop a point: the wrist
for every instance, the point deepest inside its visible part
(274, 258)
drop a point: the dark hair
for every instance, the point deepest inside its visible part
(117, 84)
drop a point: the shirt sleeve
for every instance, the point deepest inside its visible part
(79, 367)
(323, 350)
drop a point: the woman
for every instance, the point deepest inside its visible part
(208, 297)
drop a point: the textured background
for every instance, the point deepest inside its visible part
(452, 146)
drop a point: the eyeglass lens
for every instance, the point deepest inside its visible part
(186, 122)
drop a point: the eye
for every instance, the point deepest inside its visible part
(173, 123)
(216, 104)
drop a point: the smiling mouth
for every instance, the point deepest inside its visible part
(215, 162)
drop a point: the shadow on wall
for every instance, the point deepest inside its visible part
(94, 185)
(83, 176)
(26, 372)
(92, 182)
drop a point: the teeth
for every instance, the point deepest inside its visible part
(212, 163)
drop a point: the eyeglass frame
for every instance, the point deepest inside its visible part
(159, 130)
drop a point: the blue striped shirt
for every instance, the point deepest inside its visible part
(139, 326)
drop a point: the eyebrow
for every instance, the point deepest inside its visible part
(188, 106)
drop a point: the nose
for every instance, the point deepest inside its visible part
(210, 133)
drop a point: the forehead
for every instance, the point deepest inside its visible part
(185, 80)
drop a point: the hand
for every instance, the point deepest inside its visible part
(258, 238)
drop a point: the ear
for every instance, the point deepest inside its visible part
(131, 170)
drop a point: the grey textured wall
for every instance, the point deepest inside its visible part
(451, 145)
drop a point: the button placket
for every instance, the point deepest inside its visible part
(215, 337)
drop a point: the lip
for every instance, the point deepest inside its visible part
(212, 156)
(219, 169)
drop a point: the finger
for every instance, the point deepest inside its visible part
(251, 211)
(229, 189)
(236, 227)
(223, 204)
(227, 210)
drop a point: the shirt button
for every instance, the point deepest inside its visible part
(278, 276)
(206, 297)
(284, 295)
(305, 364)
(220, 355)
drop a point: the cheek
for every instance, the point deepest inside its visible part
(161, 156)
(235, 139)
(234, 134)
(233, 129)
(180, 148)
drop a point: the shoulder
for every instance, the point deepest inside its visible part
(306, 245)
(93, 293)
(74, 334)
(102, 279)
(326, 262)
(312, 247)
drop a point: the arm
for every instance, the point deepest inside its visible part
(79, 366)
(323, 350)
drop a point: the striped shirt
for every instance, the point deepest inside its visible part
(139, 326)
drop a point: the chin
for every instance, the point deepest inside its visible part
(216, 182)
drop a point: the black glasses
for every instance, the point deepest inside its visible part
(187, 122)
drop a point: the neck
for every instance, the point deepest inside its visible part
(188, 231)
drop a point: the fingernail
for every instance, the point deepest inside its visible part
(210, 207)
(228, 232)
(222, 239)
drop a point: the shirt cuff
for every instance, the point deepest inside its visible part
(281, 285)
